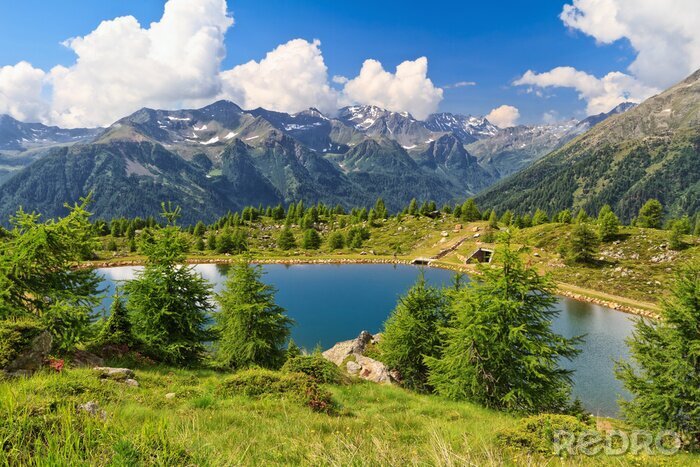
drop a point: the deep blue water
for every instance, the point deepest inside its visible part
(330, 303)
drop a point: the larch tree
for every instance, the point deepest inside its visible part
(500, 350)
(252, 328)
(664, 372)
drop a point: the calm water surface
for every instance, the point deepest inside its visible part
(330, 303)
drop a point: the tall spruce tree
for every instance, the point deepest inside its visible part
(583, 244)
(664, 374)
(500, 350)
(253, 329)
(286, 241)
(411, 333)
(168, 302)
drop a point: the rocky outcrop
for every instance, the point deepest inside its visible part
(32, 357)
(349, 356)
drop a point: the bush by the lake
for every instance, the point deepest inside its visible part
(316, 366)
(499, 348)
(664, 378)
(538, 433)
(252, 328)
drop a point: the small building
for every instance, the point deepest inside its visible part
(421, 261)
(481, 255)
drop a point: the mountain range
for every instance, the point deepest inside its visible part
(221, 157)
(649, 151)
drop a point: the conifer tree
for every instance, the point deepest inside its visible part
(336, 241)
(252, 327)
(470, 211)
(650, 215)
(312, 240)
(540, 217)
(583, 244)
(413, 207)
(411, 333)
(499, 349)
(117, 328)
(664, 373)
(581, 216)
(608, 226)
(493, 220)
(36, 267)
(675, 238)
(168, 302)
(293, 350)
(507, 218)
(286, 240)
(211, 241)
(564, 217)
(199, 229)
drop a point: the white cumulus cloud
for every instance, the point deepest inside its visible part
(504, 116)
(122, 66)
(407, 90)
(21, 92)
(600, 94)
(291, 78)
(663, 34)
(175, 62)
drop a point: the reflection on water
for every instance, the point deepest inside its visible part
(330, 303)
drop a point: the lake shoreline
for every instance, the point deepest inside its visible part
(561, 289)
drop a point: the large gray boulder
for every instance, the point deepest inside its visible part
(349, 356)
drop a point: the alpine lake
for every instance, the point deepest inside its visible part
(331, 303)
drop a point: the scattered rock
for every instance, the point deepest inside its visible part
(92, 408)
(33, 356)
(536, 255)
(170, 395)
(116, 374)
(477, 235)
(131, 382)
(444, 233)
(373, 370)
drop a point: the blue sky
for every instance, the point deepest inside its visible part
(489, 43)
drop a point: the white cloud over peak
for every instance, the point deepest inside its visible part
(291, 78)
(600, 94)
(407, 90)
(20, 92)
(122, 66)
(664, 35)
(504, 116)
(175, 62)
